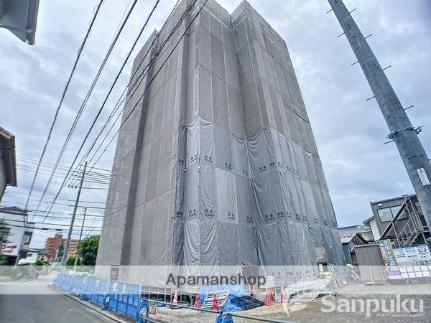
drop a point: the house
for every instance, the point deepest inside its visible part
(399, 219)
(7, 161)
(17, 243)
(351, 237)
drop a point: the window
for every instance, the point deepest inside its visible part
(387, 214)
(395, 210)
(27, 237)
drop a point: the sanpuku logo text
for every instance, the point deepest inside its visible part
(374, 306)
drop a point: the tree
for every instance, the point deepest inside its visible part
(39, 263)
(71, 261)
(87, 249)
(4, 235)
(4, 231)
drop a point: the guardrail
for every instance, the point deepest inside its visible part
(125, 298)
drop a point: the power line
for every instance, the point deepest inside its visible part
(150, 82)
(52, 164)
(63, 96)
(104, 102)
(121, 100)
(45, 228)
(144, 72)
(99, 72)
(47, 223)
(115, 82)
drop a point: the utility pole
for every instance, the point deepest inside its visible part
(72, 221)
(80, 237)
(402, 132)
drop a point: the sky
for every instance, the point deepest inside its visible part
(350, 131)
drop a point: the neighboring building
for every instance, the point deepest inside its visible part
(72, 248)
(7, 161)
(352, 237)
(20, 233)
(20, 18)
(33, 255)
(54, 247)
(400, 220)
(218, 165)
(372, 229)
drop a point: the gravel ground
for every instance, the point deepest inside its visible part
(383, 296)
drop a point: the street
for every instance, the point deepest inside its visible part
(37, 302)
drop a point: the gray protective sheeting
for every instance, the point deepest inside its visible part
(218, 164)
(271, 215)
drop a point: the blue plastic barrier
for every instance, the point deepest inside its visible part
(58, 280)
(88, 287)
(96, 290)
(121, 297)
(224, 318)
(124, 298)
(133, 300)
(78, 284)
(67, 283)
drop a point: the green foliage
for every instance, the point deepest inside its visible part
(39, 262)
(4, 234)
(71, 261)
(3, 259)
(4, 231)
(87, 249)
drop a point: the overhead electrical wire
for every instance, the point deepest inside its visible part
(120, 101)
(49, 229)
(26, 159)
(63, 96)
(106, 98)
(150, 82)
(46, 223)
(144, 72)
(115, 82)
(84, 103)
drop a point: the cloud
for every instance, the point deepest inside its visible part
(350, 132)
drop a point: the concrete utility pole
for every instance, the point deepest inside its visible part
(72, 221)
(80, 237)
(402, 132)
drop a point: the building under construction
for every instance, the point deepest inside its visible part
(216, 163)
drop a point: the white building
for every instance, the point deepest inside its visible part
(7, 161)
(20, 233)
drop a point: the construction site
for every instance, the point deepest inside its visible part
(217, 205)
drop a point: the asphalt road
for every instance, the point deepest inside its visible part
(38, 303)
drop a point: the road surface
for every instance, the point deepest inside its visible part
(36, 302)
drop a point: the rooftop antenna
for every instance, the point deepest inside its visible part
(402, 132)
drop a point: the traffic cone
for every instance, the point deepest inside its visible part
(175, 300)
(284, 301)
(284, 297)
(197, 303)
(269, 298)
(335, 283)
(215, 305)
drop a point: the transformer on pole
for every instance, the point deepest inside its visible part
(401, 130)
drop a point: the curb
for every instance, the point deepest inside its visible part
(94, 308)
